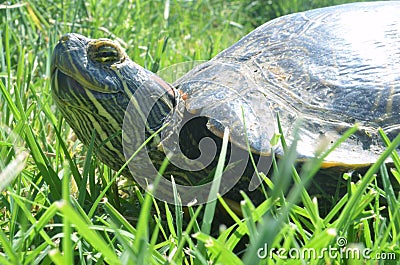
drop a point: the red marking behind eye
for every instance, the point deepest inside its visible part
(184, 96)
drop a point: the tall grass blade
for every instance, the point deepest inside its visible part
(354, 199)
(209, 211)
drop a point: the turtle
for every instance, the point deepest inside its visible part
(323, 70)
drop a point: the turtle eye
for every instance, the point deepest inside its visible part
(105, 54)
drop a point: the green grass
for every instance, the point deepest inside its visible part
(59, 205)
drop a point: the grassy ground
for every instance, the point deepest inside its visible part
(51, 186)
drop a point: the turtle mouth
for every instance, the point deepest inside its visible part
(66, 89)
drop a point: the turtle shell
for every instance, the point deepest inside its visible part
(330, 68)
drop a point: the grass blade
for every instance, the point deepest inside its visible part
(86, 232)
(210, 207)
(354, 199)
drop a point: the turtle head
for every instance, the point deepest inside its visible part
(90, 62)
(99, 65)
(93, 83)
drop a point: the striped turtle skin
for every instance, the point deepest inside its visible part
(93, 94)
(331, 68)
(93, 81)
